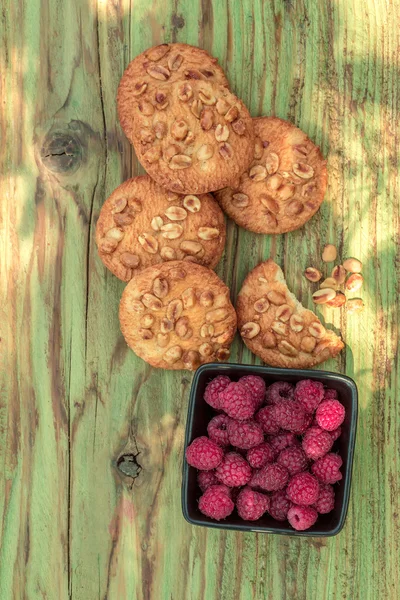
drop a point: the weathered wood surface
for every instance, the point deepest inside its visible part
(73, 398)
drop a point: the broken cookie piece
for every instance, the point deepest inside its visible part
(275, 326)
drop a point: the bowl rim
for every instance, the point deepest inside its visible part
(258, 369)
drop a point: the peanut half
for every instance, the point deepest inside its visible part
(329, 253)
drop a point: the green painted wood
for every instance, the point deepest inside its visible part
(74, 399)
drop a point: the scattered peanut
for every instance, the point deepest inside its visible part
(329, 253)
(353, 265)
(339, 274)
(354, 282)
(329, 282)
(355, 305)
(338, 300)
(312, 274)
(323, 296)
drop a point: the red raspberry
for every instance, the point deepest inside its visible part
(217, 430)
(254, 481)
(216, 503)
(326, 499)
(278, 391)
(256, 385)
(204, 454)
(303, 489)
(308, 419)
(336, 433)
(234, 470)
(330, 414)
(309, 393)
(236, 400)
(266, 421)
(331, 395)
(205, 479)
(213, 389)
(327, 468)
(251, 505)
(302, 517)
(259, 456)
(293, 459)
(281, 441)
(289, 415)
(245, 434)
(279, 505)
(272, 477)
(316, 442)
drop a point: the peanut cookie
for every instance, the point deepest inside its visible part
(276, 327)
(142, 224)
(200, 141)
(285, 184)
(149, 73)
(177, 315)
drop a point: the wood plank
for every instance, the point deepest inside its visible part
(74, 400)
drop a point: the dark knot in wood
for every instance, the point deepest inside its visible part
(61, 152)
(128, 465)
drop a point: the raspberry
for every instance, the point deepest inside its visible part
(216, 503)
(289, 415)
(266, 421)
(309, 393)
(331, 395)
(327, 468)
(278, 391)
(204, 454)
(259, 456)
(302, 517)
(326, 499)
(256, 385)
(254, 481)
(205, 479)
(272, 477)
(281, 441)
(245, 434)
(303, 489)
(330, 414)
(234, 470)
(251, 505)
(213, 389)
(217, 430)
(279, 505)
(317, 442)
(293, 459)
(236, 400)
(336, 433)
(308, 419)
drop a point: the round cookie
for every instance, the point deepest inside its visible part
(275, 326)
(156, 68)
(285, 184)
(142, 224)
(201, 141)
(177, 315)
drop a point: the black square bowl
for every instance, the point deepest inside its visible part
(200, 413)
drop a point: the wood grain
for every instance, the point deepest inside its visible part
(74, 401)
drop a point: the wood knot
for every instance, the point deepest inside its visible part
(128, 465)
(61, 152)
(177, 21)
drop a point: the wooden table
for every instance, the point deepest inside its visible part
(76, 522)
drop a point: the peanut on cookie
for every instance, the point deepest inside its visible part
(177, 315)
